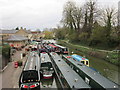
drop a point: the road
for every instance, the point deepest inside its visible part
(10, 76)
(0, 81)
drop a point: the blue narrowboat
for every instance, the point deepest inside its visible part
(81, 59)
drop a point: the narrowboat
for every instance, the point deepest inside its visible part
(80, 59)
(54, 48)
(91, 77)
(66, 76)
(30, 76)
(34, 48)
(46, 68)
(63, 50)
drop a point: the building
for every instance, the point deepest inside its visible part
(7, 32)
(21, 31)
(16, 41)
(24, 32)
(37, 35)
(16, 38)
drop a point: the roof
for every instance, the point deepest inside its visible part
(8, 31)
(73, 79)
(34, 32)
(32, 62)
(16, 38)
(13, 31)
(27, 31)
(59, 46)
(78, 58)
(45, 58)
(52, 45)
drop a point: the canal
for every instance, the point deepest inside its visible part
(105, 68)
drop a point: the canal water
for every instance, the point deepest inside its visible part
(48, 83)
(105, 68)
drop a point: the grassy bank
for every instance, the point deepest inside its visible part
(110, 56)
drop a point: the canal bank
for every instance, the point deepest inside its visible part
(110, 56)
(107, 69)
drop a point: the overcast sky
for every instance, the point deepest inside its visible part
(37, 14)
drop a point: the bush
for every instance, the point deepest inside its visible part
(19, 63)
(6, 51)
(24, 54)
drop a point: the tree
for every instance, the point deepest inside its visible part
(73, 37)
(48, 34)
(90, 11)
(109, 18)
(38, 30)
(17, 28)
(77, 16)
(61, 33)
(72, 16)
(83, 37)
(97, 36)
(68, 20)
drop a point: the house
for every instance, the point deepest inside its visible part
(16, 38)
(37, 35)
(24, 32)
(7, 32)
(16, 41)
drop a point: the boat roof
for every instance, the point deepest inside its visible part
(78, 58)
(59, 46)
(34, 46)
(104, 82)
(32, 62)
(52, 45)
(69, 74)
(45, 57)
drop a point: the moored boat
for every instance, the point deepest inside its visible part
(80, 59)
(46, 66)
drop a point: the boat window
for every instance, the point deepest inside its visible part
(65, 49)
(87, 80)
(82, 62)
(43, 65)
(86, 62)
(47, 64)
(30, 76)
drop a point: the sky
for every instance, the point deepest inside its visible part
(37, 14)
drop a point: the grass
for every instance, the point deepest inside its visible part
(107, 55)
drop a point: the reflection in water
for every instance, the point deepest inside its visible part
(47, 83)
(108, 70)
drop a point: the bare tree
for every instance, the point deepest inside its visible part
(77, 16)
(109, 17)
(90, 12)
(68, 20)
(72, 16)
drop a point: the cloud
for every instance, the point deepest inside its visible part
(32, 14)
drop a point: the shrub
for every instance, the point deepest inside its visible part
(6, 51)
(19, 63)
(24, 54)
